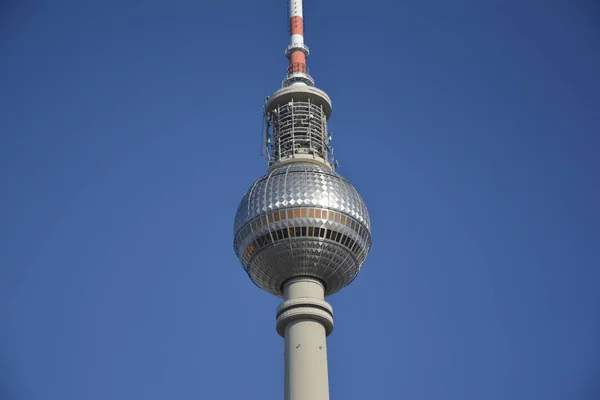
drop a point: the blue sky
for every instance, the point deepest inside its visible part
(130, 131)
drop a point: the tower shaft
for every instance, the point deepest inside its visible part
(304, 319)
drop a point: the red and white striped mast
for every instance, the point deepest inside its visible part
(297, 51)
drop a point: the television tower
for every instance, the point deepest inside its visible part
(301, 231)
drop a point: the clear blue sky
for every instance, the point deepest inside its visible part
(130, 131)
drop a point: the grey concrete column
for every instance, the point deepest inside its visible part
(304, 319)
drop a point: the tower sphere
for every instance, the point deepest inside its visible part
(302, 219)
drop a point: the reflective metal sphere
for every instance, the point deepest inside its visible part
(302, 219)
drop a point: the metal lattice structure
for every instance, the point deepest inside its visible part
(297, 127)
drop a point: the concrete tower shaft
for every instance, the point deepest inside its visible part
(304, 320)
